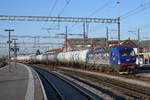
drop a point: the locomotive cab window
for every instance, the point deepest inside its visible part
(126, 52)
(112, 54)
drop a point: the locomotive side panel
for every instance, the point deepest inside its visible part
(98, 58)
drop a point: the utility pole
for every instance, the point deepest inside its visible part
(84, 35)
(87, 30)
(35, 40)
(38, 42)
(118, 22)
(119, 30)
(9, 42)
(107, 36)
(138, 46)
(66, 37)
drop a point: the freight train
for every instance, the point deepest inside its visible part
(120, 59)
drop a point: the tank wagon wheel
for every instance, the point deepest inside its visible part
(110, 69)
(97, 67)
(93, 67)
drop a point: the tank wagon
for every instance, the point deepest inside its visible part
(24, 59)
(120, 59)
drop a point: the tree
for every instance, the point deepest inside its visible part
(38, 52)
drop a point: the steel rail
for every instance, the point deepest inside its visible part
(111, 83)
(74, 86)
(51, 84)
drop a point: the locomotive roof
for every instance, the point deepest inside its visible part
(121, 47)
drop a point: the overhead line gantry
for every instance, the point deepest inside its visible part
(30, 36)
(57, 19)
(63, 19)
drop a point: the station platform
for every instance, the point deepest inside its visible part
(20, 82)
(144, 71)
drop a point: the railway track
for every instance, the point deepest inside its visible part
(129, 76)
(113, 94)
(59, 88)
(135, 91)
(49, 87)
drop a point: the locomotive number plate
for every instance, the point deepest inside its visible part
(127, 59)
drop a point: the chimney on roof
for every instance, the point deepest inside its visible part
(128, 38)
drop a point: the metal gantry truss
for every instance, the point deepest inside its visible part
(30, 43)
(63, 19)
(31, 36)
(58, 19)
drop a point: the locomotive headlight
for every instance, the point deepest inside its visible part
(118, 61)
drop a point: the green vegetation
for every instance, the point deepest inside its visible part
(38, 52)
(145, 43)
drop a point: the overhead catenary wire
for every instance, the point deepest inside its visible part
(138, 9)
(67, 3)
(142, 7)
(53, 7)
(96, 11)
(59, 14)
(51, 10)
(31, 36)
(100, 8)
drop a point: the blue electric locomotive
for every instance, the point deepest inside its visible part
(120, 58)
(123, 57)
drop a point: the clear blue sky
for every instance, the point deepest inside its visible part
(77, 8)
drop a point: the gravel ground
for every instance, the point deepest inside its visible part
(132, 81)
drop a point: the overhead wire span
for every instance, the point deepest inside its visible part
(138, 9)
(58, 26)
(52, 9)
(100, 8)
(96, 11)
(67, 3)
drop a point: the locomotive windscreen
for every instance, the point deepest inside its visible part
(126, 52)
